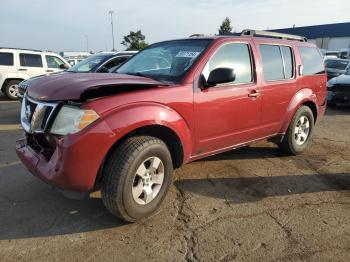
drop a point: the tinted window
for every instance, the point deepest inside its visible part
(53, 61)
(235, 56)
(311, 60)
(30, 60)
(116, 62)
(272, 62)
(6, 59)
(288, 61)
(337, 64)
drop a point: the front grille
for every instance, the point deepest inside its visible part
(36, 116)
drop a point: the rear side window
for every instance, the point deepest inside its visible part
(30, 60)
(311, 60)
(6, 59)
(277, 62)
(235, 56)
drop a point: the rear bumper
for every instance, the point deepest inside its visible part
(75, 161)
(338, 97)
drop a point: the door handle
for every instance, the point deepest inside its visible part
(49, 71)
(22, 69)
(254, 93)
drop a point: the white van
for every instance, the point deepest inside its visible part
(17, 65)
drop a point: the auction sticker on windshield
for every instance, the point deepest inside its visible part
(188, 54)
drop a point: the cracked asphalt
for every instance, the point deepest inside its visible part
(251, 204)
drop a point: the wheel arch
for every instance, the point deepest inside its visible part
(10, 79)
(303, 97)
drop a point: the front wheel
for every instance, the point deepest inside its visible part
(299, 133)
(136, 178)
(11, 89)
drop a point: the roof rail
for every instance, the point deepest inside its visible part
(251, 32)
(26, 49)
(197, 35)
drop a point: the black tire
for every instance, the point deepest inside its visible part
(8, 89)
(289, 144)
(119, 174)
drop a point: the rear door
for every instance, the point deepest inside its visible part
(228, 114)
(279, 84)
(30, 64)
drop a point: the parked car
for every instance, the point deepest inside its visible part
(339, 89)
(74, 60)
(174, 102)
(335, 67)
(331, 54)
(98, 63)
(17, 65)
(102, 62)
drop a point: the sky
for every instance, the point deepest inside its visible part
(62, 25)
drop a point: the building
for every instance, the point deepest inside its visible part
(332, 37)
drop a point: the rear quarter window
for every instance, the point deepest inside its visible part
(311, 60)
(6, 59)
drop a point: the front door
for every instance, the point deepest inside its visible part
(227, 114)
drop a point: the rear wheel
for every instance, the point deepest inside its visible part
(136, 178)
(299, 133)
(11, 89)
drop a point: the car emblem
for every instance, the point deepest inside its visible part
(28, 112)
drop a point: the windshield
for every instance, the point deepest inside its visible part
(337, 64)
(166, 61)
(88, 64)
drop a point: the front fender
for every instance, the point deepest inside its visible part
(302, 96)
(130, 117)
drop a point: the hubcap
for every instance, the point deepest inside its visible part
(302, 130)
(13, 90)
(148, 180)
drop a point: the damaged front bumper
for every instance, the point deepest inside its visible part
(74, 163)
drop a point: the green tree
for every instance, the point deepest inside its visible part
(135, 41)
(225, 27)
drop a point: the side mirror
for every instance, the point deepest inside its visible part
(102, 70)
(221, 75)
(64, 66)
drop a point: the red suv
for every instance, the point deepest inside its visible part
(172, 103)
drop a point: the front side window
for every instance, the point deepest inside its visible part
(311, 60)
(166, 61)
(115, 62)
(6, 59)
(53, 62)
(30, 60)
(235, 56)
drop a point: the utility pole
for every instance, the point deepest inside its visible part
(111, 12)
(87, 43)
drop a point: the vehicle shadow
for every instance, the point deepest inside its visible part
(50, 214)
(237, 190)
(249, 152)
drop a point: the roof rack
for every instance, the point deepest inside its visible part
(251, 32)
(197, 35)
(26, 49)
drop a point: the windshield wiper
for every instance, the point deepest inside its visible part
(142, 74)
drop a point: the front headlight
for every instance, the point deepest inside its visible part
(71, 120)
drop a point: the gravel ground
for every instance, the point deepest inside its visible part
(251, 204)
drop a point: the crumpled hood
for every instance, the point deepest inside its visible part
(73, 86)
